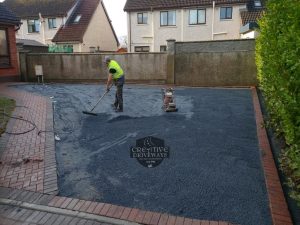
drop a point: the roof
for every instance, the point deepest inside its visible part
(250, 16)
(7, 16)
(28, 42)
(75, 31)
(32, 8)
(134, 5)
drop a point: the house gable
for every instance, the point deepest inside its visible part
(100, 33)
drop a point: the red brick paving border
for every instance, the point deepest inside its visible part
(128, 214)
(278, 206)
(28, 160)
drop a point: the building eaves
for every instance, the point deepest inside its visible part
(28, 42)
(138, 5)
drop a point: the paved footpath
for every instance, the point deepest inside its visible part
(28, 179)
(28, 160)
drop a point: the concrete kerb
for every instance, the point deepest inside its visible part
(65, 212)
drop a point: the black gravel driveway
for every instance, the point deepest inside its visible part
(214, 171)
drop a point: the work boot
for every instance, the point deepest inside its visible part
(119, 110)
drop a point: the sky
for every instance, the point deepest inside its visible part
(116, 14)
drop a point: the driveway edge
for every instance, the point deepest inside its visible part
(279, 210)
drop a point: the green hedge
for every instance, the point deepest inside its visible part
(278, 62)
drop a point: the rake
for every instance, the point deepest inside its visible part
(91, 111)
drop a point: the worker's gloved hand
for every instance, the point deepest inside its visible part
(107, 89)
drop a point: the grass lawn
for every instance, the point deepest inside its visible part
(7, 106)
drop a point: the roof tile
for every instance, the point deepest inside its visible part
(248, 17)
(75, 31)
(7, 16)
(32, 8)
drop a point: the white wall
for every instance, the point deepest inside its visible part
(141, 34)
(251, 34)
(45, 35)
(99, 33)
(153, 35)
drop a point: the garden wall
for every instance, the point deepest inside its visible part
(210, 63)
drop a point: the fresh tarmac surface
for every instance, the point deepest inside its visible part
(214, 171)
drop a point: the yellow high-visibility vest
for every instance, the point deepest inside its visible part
(113, 65)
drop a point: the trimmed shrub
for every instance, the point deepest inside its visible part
(278, 63)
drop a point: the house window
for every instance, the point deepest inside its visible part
(142, 18)
(226, 13)
(197, 16)
(163, 48)
(168, 18)
(77, 18)
(52, 23)
(4, 51)
(33, 26)
(142, 49)
(257, 3)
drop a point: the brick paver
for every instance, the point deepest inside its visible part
(28, 160)
(28, 166)
(18, 213)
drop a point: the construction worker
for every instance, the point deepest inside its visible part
(116, 75)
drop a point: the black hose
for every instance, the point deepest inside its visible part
(28, 121)
(18, 118)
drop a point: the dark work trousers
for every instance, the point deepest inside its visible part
(119, 93)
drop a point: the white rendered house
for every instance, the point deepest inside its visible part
(150, 25)
(83, 25)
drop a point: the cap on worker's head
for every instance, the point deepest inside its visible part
(107, 59)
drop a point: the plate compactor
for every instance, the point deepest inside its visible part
(169, 104)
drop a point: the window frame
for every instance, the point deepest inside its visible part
(143, 17)
(198, 9)
(8, 49)
(226, 8)
(145, 46)
(51, 19)
(257, 4)
(34, 24)
(163, 48)
(168, 25)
